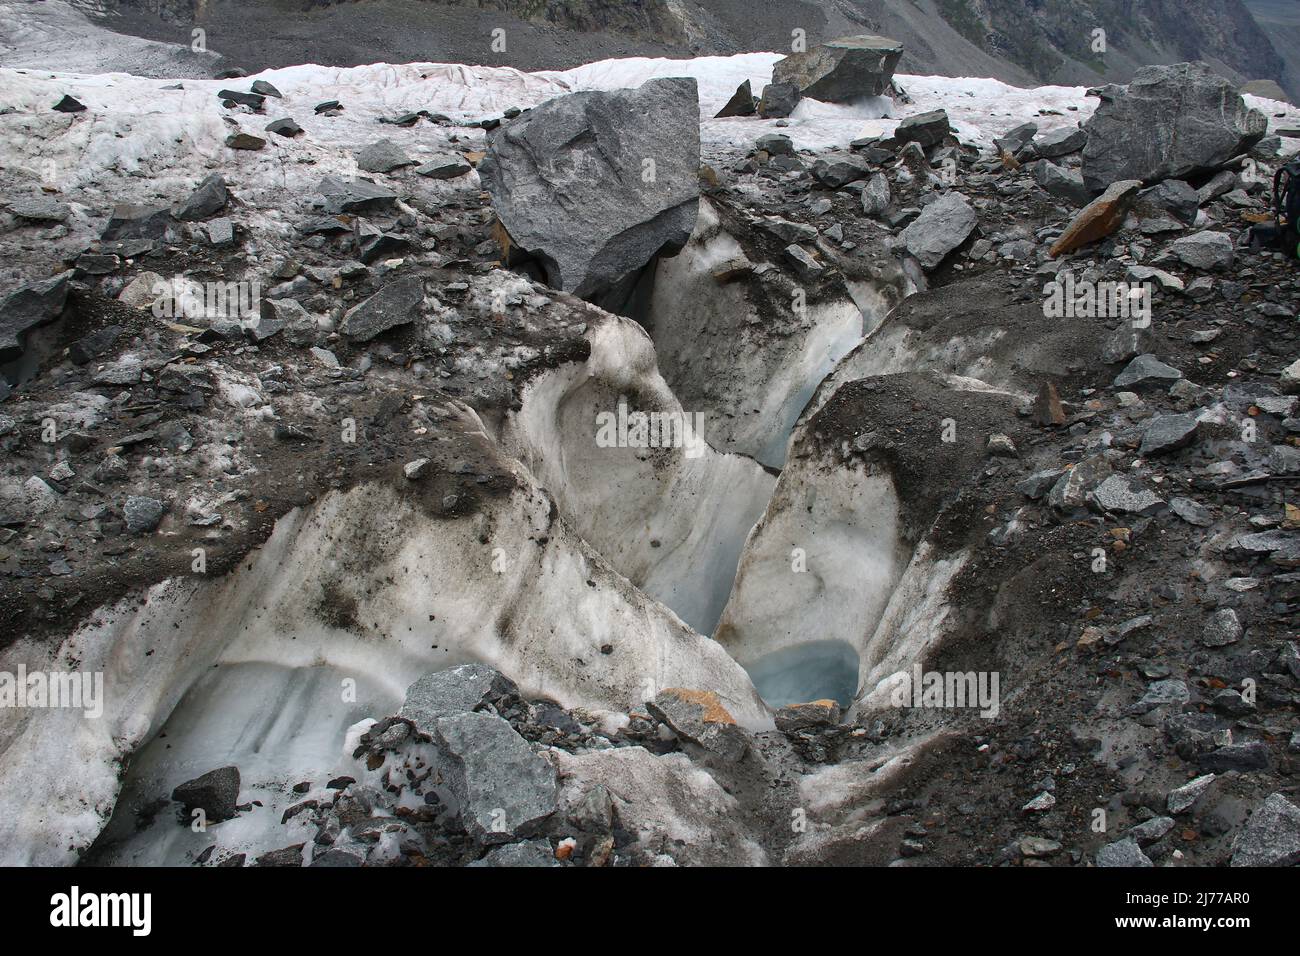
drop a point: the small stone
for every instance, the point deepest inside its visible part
(1151, 830)
(143, 514)
(284, 127)
(1166, 433)
(1204, 250)
(69, 105)
(1036, 848)
(382, 157)
(1048, 410)
(1120, 494)
(1193, 512)
(444, 166)
(1240, 757)
(1181, 799)
(1147, 371)
(1123, 853)
(245, 141)
(1161, 693)
(1271, 837)
(216, 793)
(1222, 629)
(414, 470)
(1040, 804)
(815, 715)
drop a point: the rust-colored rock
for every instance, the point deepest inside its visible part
(1048, 410)
(1098, 219)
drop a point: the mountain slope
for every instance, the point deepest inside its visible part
(1026, 42)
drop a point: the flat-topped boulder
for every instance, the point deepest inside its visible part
(843, 70)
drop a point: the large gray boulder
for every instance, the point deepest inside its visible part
(842, 70)
(1170, 122)
(502, 788)
(942, 226)
(595, 185)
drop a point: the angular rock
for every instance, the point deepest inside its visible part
(1223, 628)
(69, 104)
(1147, 371)
(876, 195)
(926, 129)
(130, 221)
(775, 144)
(503, 789)
(839, 172)
(1173, 196)
(208, 198)
(359, 196)
(216, 793)
(1180, 800)
(1124, 852)
(286, 127)
(246, 141)
(457, 690)
(382, 157)
(1209, 251)
(1271, 837)
(1016, 139)
(1062, 183)
(1289, 380)
(1061, 142)
(778, 100)
(742, 103)
(1166, 433)
(253, 101)
(567, 181)
(397, 303)
(805, 264)
(39, 209)
(30, 305)
(221, 231)
(1240, 757)
(143, 513)
(1151, 830)
(527, 854)
(815, 715)
(444, 166)
(1161, 693)
(263, 88)
(1169, 123)
(1193, 512)
(1098, 219)
(698, 716)
(1120, 494)
(1072, 488)
(942, 226)
(842, 70)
